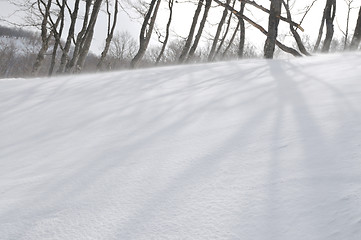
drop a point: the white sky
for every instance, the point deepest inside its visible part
(183, 13)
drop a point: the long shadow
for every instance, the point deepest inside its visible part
(319, 148)
(200, 170)
(188, 109)
(96, 169)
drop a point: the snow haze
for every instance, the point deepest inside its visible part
(252, 149)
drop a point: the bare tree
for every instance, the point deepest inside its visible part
(189, 40)
(355, 42)
(44, 8)
(167, 33)
(110, 32)
(242, 36)
(173, 51)
(229, 45)
(73, 19)
(273, 21)
(260, 28)
(88, 37)
(57, 35)
(122, 50)
(146, 31)
(200, 30)
(228, 24)
(48, 31)
(346, 32)
(294, 32)
(218, 32)
(260, 7)
(80, 38)
(328, 17)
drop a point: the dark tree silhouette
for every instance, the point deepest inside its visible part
(146, 31)
(355, 42)
(273, 21)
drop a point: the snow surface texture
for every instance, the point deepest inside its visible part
(244, 150)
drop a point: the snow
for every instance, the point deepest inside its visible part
(254, 149)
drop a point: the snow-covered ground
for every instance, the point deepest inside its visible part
(244, 150)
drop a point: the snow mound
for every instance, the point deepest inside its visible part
(245, 150)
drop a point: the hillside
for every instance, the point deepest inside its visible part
(247, 150)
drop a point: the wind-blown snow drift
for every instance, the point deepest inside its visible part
(251, 149)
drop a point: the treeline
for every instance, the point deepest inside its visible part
(18, 52)
(66, 31)
(16, 33)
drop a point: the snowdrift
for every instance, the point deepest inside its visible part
(251, 149)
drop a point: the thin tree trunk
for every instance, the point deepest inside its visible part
(88, 35)
(200, 29)
(242, 36)
(225, 32)
(58, 37)
(347, 25)
(145, 34)
(231, 40)
(79, 39)
(320, 32)
(218, 33)
(188, 43)
(110, 33)
(73, 19)
(259, 27)
(330, 16)
(294, 31)
(44, 36)
(327, 18)
(355, 42)
(170, 7)
(273, 21)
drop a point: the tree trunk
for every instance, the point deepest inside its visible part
(347, 25)
(188, 43)
(273, 21)
(355, 42)
(73, 19)
(320, 32)
(170, 7)
(218, 33)
(58, 36)
(110, 33)
(330, 16)
(327, 17)
(88, 36)
(200, 29)
(44, 36)
(225, 32)
(145, 34)
(79, 39)
(231, 41)
(294, 31)
(259, 27)
(242, 32)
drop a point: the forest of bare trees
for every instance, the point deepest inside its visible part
(66, 30)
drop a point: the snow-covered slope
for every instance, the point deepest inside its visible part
(237, 150)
